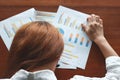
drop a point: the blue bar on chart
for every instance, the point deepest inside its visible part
(60, 18)
(9, 34)
(72, 24)
(61, 30)
(82, 40)
(76, 26)
(87, 43)
(76, 38)
(70, 37)
(14, 27)
(30, 19)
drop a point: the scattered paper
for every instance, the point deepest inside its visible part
(77, 44)
(8, 27)
(67, 21)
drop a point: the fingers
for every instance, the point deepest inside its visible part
(101, 21)
(84, 27)
(97, 18)
(94, 18)
(89, 19)
(93, 22)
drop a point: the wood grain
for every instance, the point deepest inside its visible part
(109, 10)
(29, 2)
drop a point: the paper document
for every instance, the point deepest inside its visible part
(8, 27)
(77, 44)
(44, 16)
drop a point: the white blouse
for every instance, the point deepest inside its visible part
(112, 66)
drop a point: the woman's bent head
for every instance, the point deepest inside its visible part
(35, 44)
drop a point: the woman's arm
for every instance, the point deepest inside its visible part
(105, 47)
(94, 30)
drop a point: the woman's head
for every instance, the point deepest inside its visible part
(35, 44)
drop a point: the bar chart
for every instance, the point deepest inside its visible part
(68, 21)
(10, 26)
(76, 41)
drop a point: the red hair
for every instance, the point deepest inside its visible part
(35, 44)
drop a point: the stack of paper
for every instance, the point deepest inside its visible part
(68, 22)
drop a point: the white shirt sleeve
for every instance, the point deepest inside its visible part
(112, 67)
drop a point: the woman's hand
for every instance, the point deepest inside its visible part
(94, 27)
(94, 30)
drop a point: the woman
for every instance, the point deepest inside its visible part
(37, 47)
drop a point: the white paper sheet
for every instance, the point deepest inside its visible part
(8, 27)
(77, 44)
(44, 16)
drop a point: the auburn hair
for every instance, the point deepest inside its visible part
(35, 44)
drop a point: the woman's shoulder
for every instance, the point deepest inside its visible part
(112, 67)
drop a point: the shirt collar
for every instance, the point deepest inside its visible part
(37, 75)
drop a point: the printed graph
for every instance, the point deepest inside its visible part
(77, 39)
(11, 28)
(68, 21)
(76, 43)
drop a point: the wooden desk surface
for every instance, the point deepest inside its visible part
(109, 10)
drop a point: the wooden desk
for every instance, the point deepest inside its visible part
(109, 10)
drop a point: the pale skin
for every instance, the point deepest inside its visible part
(94, 30)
